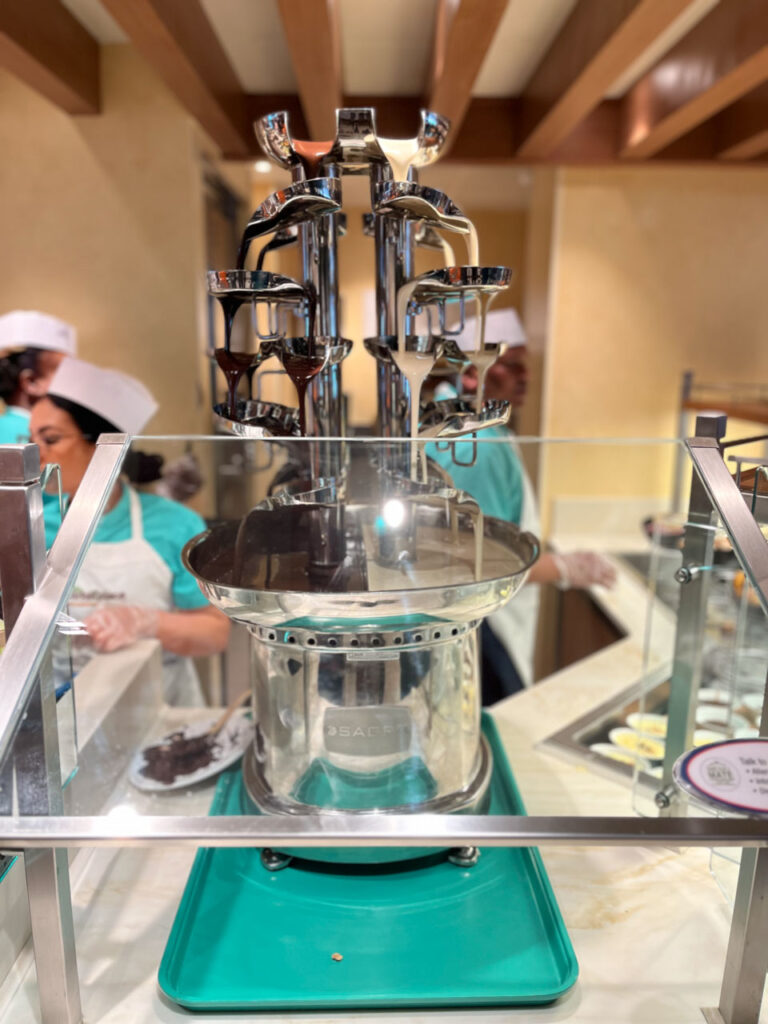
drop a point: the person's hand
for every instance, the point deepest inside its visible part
(120, 625)
(583, 569)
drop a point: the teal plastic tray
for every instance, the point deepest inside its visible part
(421, 933)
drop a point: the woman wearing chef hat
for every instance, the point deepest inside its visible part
(132, 584)
(500, 484)
(32, 345)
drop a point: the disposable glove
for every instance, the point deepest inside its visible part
(116, 626)
(583, 569)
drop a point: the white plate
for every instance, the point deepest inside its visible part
(717, 715)
(701, 737)
(649, 747)
(714, 695)
(713, 714)
(648, 724)
(230, 745)
(753, 701)
(749, 732)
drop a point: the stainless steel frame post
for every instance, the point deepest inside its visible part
(686, 666)
(746, 961)
(682, 430)
(36, 748)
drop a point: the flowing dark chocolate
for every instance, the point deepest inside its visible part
(234, 366)
(301, 369)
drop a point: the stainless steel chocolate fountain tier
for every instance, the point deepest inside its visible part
(364, 617)
(407, 562)
(365, 576)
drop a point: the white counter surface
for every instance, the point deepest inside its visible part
(649, 927)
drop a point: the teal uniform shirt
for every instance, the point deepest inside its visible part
(495, 481)
(14, 426)
(167, 527)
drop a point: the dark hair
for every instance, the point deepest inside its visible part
(11, 368)
(139, 467)
(89, 423)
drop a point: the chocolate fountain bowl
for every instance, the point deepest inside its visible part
(381, 348)
(364, 617)
(453, 417)
(455, 283)
(258, 419)
(331, 350)
(258, 285)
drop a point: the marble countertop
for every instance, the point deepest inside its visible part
(649, 926)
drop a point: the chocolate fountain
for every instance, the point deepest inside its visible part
(365, 575)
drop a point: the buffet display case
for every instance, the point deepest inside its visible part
(140, 840)
(364, 836)
(627, 736)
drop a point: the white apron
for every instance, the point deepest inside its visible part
(515, 623)
(131, 572)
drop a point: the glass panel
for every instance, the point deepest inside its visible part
(355, 614)
(716, 663)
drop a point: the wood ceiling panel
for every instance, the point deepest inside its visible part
(464, 31)
(663, 43)
(312, 34)
(705, 98)
(724, 57)
(525, 34)
(488, 133)
(47, 47)
(251, 33)
(96, 21)
(177, 40)
(741, 131)
(598, 41)
(386, 48)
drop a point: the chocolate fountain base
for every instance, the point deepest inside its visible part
(420, 933)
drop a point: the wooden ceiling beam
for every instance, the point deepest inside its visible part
(489, 132)
(47, 47)
(464, 31)
(595, 45)
(311, 30)
(594, 140)
(697, 146)
(176, 38)
(741, 131)
(721, 59)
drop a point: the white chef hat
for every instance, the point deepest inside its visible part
(502, 326)
(116, 397)
(26, 328)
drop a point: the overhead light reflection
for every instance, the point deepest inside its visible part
(393, 513)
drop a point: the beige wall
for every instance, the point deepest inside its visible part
(102, 225)
(656, 270)
(535, 306)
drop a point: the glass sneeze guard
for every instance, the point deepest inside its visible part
(262, 462)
